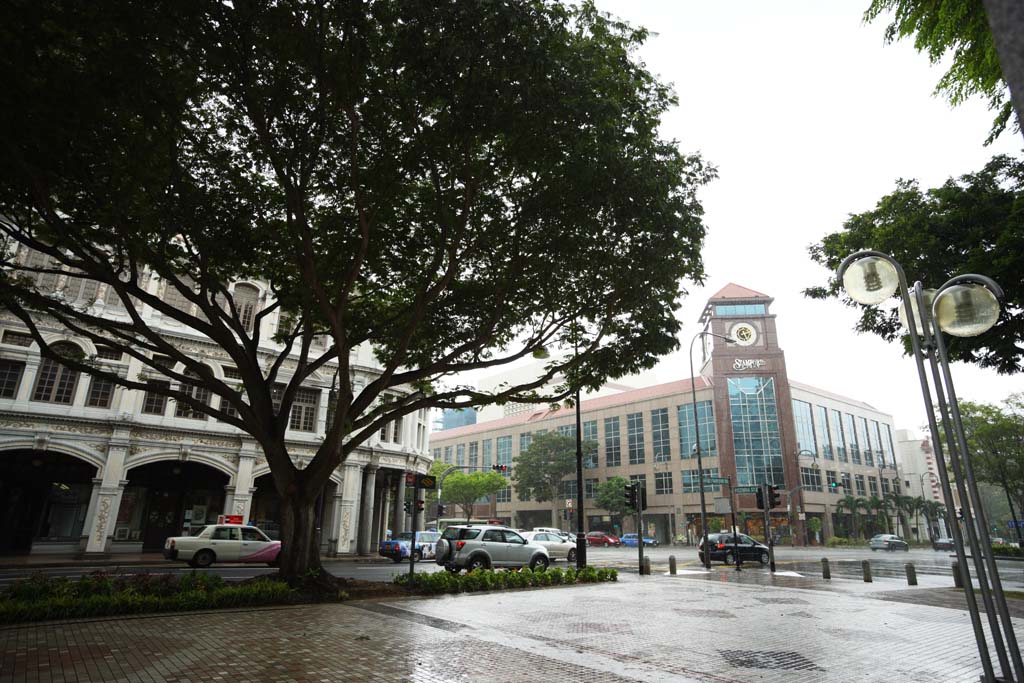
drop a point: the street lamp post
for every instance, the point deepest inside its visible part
(696, 431)
(920, 480)
(967, 305)
(813, 454)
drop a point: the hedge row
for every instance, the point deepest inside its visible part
(487, 580)
(98, 595)
(1007, 550)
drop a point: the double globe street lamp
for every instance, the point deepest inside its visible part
(965, 306)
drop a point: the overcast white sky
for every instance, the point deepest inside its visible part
(809, 117)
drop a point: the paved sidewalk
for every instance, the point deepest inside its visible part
(656, 628)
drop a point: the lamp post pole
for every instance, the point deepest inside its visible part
(696, 431)
(813, 454)
(967, 305)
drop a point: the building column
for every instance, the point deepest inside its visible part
(366, 510)
(240, 503)
(100, 519)
(380, 516)
(827, 531)
(399, 506)
(28, 379)
(348, 525)
(335, 529)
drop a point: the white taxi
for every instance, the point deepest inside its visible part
(223, 543)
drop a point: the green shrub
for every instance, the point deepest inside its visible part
(840, 542)
(1006, 550)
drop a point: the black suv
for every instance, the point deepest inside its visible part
(724, 546)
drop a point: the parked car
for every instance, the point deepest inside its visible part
(632, 541)
(600, 538)
(942, 544)
(223, 543)
(398, 548)
(998, 541)
(724, 547)
(887, 542)
(551, 530)
(558, 547)
(484, 546)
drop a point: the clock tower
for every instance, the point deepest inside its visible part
(752, 403)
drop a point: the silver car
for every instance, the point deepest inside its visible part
(558, 547)
(483, 546)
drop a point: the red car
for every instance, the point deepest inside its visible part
(601, 538)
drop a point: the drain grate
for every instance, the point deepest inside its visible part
(761, 659)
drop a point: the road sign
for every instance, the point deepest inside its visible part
(747, 489)
(426, 481)
(568, 502)
(721, 481)
(410, 478)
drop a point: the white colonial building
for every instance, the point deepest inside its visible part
(86, 466)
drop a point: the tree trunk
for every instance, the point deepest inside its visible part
(300, 552)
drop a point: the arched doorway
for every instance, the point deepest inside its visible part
(44, 497)
(168, 498)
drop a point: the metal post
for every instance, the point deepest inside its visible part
(581, 538)
(865, 567)
(735, 531)
(911, 574)
(700, 466)
(412, 545)
(766, 495)
(958, 578)
(639, 525)
(672, 565)
(826, 571)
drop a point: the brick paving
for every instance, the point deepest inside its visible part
(657, 628)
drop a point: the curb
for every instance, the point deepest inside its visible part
(89, 564)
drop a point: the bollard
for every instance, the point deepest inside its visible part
(672, 564)
(866, 567)
(647, 565)
(911, 574)
(958, 580)
(826, 572)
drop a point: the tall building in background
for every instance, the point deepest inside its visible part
(756, 426)
(455, 417)
(921, 478)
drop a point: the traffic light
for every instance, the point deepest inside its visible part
(960, 514)
(833, 485)
(500, 468)
(773, 497)
(408, 506)
(760, 498)
(419, 506)
(631, 501)
(440, 510)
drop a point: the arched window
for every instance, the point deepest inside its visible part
(247, 302)
(199, 393)
(56, 383)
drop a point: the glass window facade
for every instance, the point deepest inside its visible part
(662, 482)
(661, 445)
(873, 486)
(504, 495)
(503, 452)
(803, 419)
(810, 478)
(837, 435)
(887, 445)
(865, 441)
(590, 453)
(832, 478)
(10, 377)
(448, 454)
(474, 454)
(851, 439)
(844, 481)
(635, 437)
(755, 430)
(687, 433)
(859, 481)
(612, 442)
(567, 489)
(824, 433)
(525, 439)
(566, 430)
(877, 431)
(691, 480)
(589, 488)
(460, 455)
(727, 310)
(642, 478)
(486, 453)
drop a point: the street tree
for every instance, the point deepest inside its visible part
(539, 471)
(972, 224)
(403, 174)
(933, 510)
(954, 33)
(610, 495)
(995, 436)
(466, 488)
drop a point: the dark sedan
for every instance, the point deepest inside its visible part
(942, 544)
(725, 546)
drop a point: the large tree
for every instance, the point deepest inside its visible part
(995, 436)
(539, 471)
(465, 489)
(956, 33)
(973, 224)
(403, 174)
(611, 496)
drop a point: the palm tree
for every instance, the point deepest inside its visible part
(901, 506)
(932, 510)
(854, 505)
(880, 508)
(916, 507)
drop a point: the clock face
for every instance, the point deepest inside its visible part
(744, 334)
